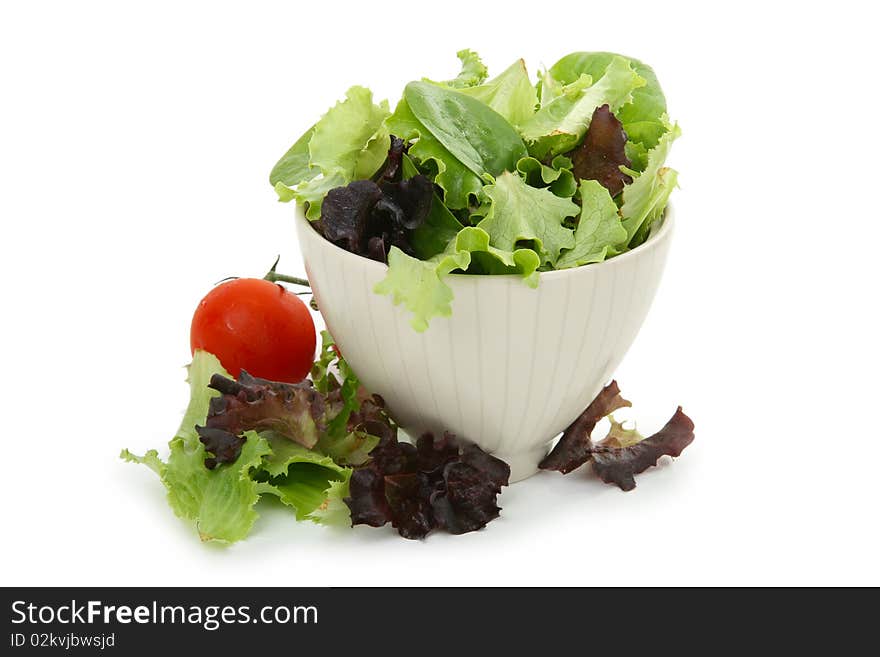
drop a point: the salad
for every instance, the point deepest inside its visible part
(488, 176)
(472, 176)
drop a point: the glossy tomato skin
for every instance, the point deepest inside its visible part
(258, 326)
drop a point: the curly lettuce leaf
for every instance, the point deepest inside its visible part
(575, 447)
(349, 142)
(487, 259)
(511, 94)
(515, 212)
(299, 477)
(473, 71)
(419, 284)
(645, 198)
(623, 453)
(599, 232)
(616, 464)
(221, 501)
(459, 184)
(421, 287)
(293, 410)
(558, 177)
(435, 484)
(642, 117)
(619, 436)
(561, 124)
(333, 510)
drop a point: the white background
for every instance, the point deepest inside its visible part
(135, 146)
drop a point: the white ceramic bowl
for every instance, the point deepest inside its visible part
(513, 366)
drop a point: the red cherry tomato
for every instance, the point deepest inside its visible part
(258, 326)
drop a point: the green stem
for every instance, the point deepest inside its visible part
(274, 277)
(281, 278)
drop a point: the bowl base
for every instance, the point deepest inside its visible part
(523, 464)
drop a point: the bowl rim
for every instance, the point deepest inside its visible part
(656, 237)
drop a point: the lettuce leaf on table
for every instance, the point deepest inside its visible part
(220, 502)
(301, 478)
(623, 453)
(340, 419)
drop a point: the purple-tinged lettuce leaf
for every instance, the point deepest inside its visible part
(561, 124)
(619, 465)
(623, 453)
(603, 152)
(369, 218)
(575, 447)
(435, 484)
(224, 447)
(292, 410)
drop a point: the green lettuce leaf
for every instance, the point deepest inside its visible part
(515, 212)
(333, 510)
(221, 501)
(419, 284)
(293, 167)
(473, 71)
(645, 198)
(476, 135)
(486, 259)
(349, 142)
(549, 88)
(558, 176)
(421, 287)
(637, 154)
(642, 117)
(299, 477)
(559, 125)
(599, 231)
(458, 182)
(511, 94)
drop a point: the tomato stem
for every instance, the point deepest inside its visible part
(274, 277)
